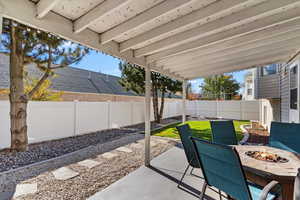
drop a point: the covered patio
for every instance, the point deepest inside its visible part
(158, 181)
(183, 39)
(162, 180)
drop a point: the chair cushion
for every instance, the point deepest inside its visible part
(256, 191)
(281, 145)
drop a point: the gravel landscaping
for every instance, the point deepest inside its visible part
(92, 180)
(51, 149)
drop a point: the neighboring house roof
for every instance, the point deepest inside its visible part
(70, 79)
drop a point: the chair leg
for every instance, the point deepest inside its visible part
(191, 173)
(220, 194)
(203, 191)
(185, 171)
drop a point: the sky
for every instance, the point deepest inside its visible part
(106, 64)
(99, 62)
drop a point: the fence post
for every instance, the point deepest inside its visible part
(108, 115)
(217, 109)
(131, 112)
(76, 131)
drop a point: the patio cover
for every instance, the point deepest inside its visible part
(183, 39)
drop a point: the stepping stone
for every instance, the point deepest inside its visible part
(124, 149)
(137, 145)
(162, 141)
(64, 173)
(24, 189)
(88, 163)
(109, 155)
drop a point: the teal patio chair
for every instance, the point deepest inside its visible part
(285, 136)
(221, 167)
(185, 134)
(297, 186)
(223, 132)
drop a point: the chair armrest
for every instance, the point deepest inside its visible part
(272, 186)
(297, 186)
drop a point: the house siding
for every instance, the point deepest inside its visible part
(268, 86)
(284, 83)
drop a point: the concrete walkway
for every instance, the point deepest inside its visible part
(158, 182)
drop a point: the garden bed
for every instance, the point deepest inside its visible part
(51, 149)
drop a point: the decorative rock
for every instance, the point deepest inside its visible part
(24, 189)
(136, 145)
(109, 155)
(141, 141)
(88, 163)
(64, 173)
(162, 141)
(124, 149)
(153, 143)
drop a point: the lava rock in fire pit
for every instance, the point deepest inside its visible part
(265, 156)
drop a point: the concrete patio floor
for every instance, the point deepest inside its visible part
(158, 182)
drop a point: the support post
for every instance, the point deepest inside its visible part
(1, 18)
(147, 114)
(184, 101)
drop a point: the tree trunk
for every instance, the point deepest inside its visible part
(162, 105)
(17, 98)
(155, 103)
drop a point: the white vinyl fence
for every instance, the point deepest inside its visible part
(54, 120)
(241, 110)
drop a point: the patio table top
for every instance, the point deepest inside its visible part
(262, 172)
(273, 170)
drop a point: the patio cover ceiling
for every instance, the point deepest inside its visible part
(183, 39)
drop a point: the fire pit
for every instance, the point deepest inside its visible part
(265, 156)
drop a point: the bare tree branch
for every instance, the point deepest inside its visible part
(39, 84)
(44, 77)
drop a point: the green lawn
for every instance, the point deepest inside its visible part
(200, 129)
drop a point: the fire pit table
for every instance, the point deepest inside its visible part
(263, 164)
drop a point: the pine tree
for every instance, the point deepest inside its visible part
(48, 52)
(133, 78)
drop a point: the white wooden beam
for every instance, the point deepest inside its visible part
(202, 15)
(236, 59)
(184, 64)
(267, 39)
(219, 42)
(249, 19)
(147, 115)
(249, 65)
(43, 7)
(25, 12)
(95, 14)
(135, 22)
(166, 72)
(242, 63)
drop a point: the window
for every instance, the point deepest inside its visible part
(249, 91)
(294, 97)
(269, 69)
